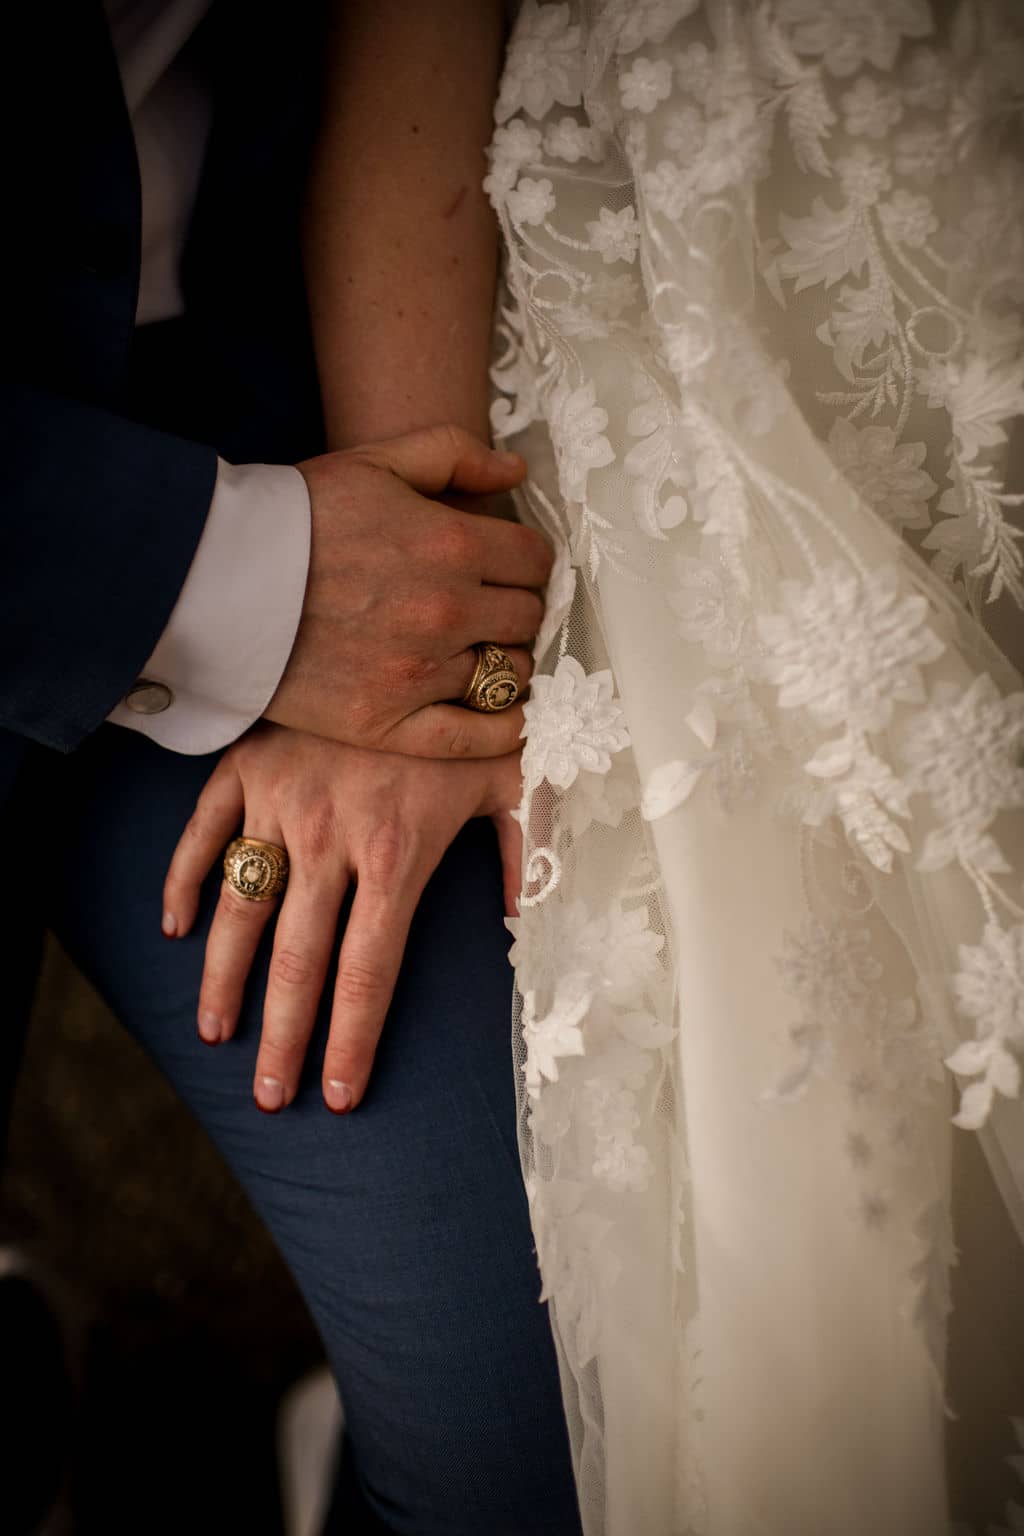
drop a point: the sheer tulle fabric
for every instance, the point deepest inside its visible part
(762, 346)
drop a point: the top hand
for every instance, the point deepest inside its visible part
(400, 588)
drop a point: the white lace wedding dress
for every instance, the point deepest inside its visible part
(762, 345)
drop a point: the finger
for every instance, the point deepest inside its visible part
(210, 828)
(437, 459)
(451, 731)
(368, 966)
(504, 615)
(510, 847)
(298, 970)
(231, 945)
(514, 556)
(452, 680)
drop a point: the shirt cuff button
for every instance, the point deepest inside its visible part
(148, 698)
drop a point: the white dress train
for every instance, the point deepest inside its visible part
(762, 345)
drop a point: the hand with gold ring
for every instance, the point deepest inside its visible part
(407, 574)
(318, 819)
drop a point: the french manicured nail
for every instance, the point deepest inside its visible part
(209, 1027)
(169, 924)
(269, 1094)
(338, 1095)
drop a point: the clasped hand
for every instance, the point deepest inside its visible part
(346, 815)
(401, 586)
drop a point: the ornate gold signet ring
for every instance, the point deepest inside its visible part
(256, 870)
(494, 684)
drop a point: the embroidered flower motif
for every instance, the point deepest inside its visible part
(964, 751)
(823, 247)
(708, 609)
(908, 219)
(668, 188)
(989, 988)
(570, 140)
(886, 473)
(848, 650)
(608, 296)
(623, 951)
(544, 63)
(555, 1034)
(847, 34)
(571, 723)
(510, 149)
(623, 1166)
(531, 201)
(647, 21)
(830, 970)
(863, 175)
(923, 153)
(871, 109)
(576, 423)
(615, 236)
(684, 133)
(695, 70)
(644, 84)
(980, 395)
(927, 80)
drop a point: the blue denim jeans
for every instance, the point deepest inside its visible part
(405, 1223)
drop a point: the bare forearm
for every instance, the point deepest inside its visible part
(401, 242)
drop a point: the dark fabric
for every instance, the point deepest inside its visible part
(99, 519)
(404, 1223)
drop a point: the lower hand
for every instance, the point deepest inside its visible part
(379, 821)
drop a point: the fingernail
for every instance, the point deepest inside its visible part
(337, 1095)
(269, 1094)
(513, 460)
(169, 924)
(209, 1027)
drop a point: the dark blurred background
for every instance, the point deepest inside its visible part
(185, 1326)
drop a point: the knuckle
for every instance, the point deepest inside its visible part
(363, 718)
(459, 744)
(533, 612)
(535, 548)
(292, 969)
(443, 612)
(410, 671)
(449, 437)
(316, 834)
(196, 827)
(359, 983)
(386, 853)
(235, 910)
(456, 543)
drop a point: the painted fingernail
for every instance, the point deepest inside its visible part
(337, 1095)
(209, 1027)
(169, 924)
(269, 1094)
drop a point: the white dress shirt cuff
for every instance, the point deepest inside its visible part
(226, 644)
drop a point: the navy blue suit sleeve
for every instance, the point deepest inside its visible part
(99, 522)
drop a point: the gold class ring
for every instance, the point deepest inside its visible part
(256, 870)
(494, 684)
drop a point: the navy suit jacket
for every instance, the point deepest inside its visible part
(103, 505)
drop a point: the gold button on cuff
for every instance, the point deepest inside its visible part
(148, 698)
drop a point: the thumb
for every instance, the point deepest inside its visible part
(447, 458)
